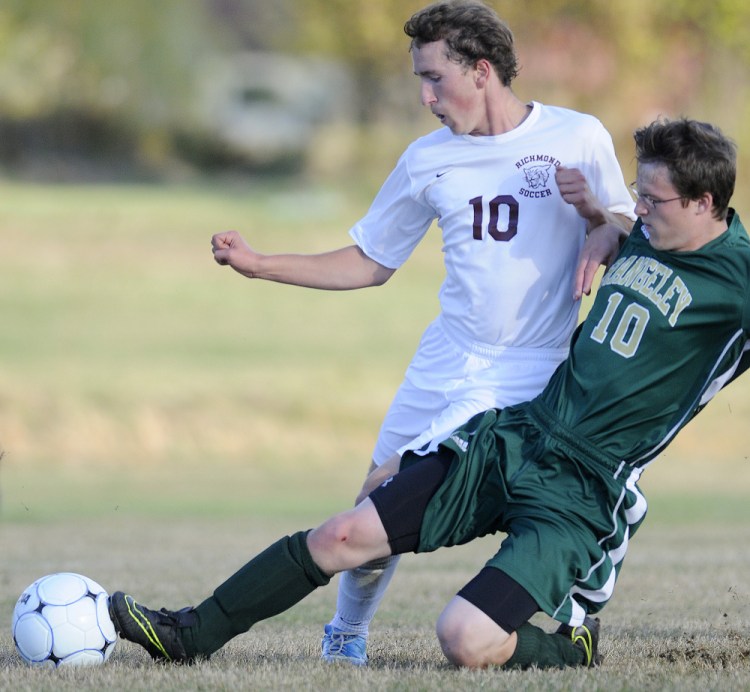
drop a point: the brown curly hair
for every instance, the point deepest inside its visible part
(472, 31)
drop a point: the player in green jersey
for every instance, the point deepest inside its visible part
(669, 327)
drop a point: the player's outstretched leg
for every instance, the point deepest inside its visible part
(273, 581)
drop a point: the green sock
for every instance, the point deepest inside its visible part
(537, 648)
(273, 581)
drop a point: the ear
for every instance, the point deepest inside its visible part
(483, 70)
(705, 203)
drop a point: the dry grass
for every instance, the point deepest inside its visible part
(673, 624)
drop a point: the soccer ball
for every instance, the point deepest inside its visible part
(63, 620)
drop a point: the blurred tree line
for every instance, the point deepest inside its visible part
(87, 85)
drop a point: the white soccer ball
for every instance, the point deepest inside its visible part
(63, 620)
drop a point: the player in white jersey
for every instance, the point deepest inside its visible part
(511, 247)
(518, 191)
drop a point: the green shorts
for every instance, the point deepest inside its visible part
(567, 513)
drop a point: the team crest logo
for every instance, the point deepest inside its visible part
(537, 177)
(538, 171)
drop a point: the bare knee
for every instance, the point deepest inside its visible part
(332, 537)
(470, 639)
(349, 539)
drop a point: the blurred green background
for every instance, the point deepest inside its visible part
(323, 88)
(136, 376)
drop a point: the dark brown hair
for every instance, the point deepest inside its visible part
(697, 155)
(472, 31)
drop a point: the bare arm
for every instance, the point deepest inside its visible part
(575, 190)
(600, 249)
(337, 270)
(606, 230)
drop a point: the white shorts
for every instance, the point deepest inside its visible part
(447, 383)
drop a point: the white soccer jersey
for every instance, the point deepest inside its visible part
(511, 243)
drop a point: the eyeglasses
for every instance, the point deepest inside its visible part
(651, 202)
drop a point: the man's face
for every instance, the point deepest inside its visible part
(669, 220)
(450, 90)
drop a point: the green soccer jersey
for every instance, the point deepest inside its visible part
(559, 475)
(667, 330)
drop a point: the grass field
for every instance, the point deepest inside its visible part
(163, 419)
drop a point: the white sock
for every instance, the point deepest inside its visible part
(360, 592)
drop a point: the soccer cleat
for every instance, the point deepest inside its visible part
(157, 631)
(343, 646)
(586, 638)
